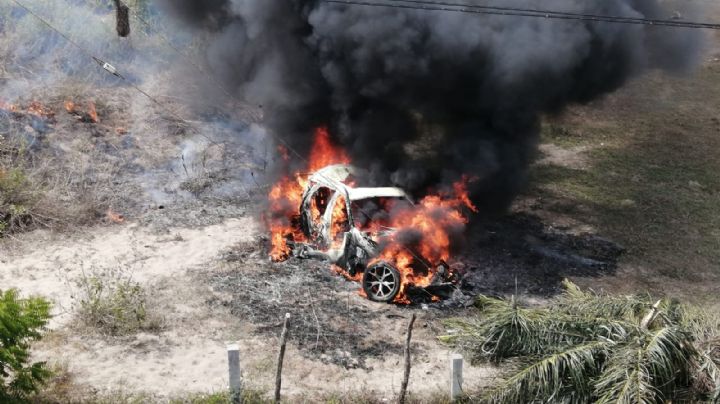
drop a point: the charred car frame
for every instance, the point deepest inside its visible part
(329, 214)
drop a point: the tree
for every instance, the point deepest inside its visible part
(588, 347)
(21, 322)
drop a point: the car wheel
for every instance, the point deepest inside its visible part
(381, 282)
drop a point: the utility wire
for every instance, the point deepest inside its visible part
(253, 115)
(509, 11)
(217, 83)
(526, 10)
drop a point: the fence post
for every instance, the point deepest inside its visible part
(406, 376)
(234, 377)
(456, 378)
(281, 355)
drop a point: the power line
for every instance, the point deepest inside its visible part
(526, 10)
(253, 114)
(509, 11)
(217, 83)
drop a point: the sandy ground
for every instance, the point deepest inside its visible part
(189, 355)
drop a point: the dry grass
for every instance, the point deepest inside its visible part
(110, 302)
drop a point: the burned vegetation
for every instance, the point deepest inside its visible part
(328, 323)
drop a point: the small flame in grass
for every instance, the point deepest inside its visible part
(38, 109)
(35, 108)
(283, 152)
(70, 106)
(92, 112)
(114, 217)
(90, 116)
(8, 107)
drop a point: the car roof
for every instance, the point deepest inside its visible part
(333, 176)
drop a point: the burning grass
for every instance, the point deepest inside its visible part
(39, 187)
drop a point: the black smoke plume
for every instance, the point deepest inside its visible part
(422, 97)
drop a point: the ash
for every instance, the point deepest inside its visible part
(329, 322)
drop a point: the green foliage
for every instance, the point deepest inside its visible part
(249, 396)
(587, 347)
(21, 322)
(111, 302)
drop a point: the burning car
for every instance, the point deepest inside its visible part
(347, 226)
(397, 249)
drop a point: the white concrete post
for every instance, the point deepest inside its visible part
(456, 378)
(234, 377)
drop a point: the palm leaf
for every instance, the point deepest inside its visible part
(576, 302)
(504, 330)
(649, 368)
(563, 376)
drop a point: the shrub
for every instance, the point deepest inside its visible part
(15, 197)
(587, 347)
(114, 304)
(21, 322)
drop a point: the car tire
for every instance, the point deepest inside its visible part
(381, 282)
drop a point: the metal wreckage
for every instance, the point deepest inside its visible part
(344, 225)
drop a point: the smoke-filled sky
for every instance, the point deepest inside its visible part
(422, 97)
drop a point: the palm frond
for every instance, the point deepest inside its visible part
(706, 378)
(648, 369)
(597, 348)
(576, 302)
(561, 377)
(504, 330)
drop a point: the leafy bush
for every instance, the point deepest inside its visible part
(21, 322)
(587, 347)
(113, 303)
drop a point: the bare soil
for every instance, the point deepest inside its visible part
(213, 289)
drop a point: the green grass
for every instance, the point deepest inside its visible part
(653, 180)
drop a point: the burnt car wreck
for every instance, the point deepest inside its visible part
(350, 227)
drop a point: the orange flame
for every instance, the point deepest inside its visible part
(324, 153)
(91, 116)
(434, 218)
(34, 108)
(92, 112)
(69, 106)
(39, 110)
(114, 217)
(8, 107)
(286, 195)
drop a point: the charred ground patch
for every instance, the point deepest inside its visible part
(333, 323)
(329, 321)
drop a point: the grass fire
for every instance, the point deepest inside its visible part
(416, 202)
